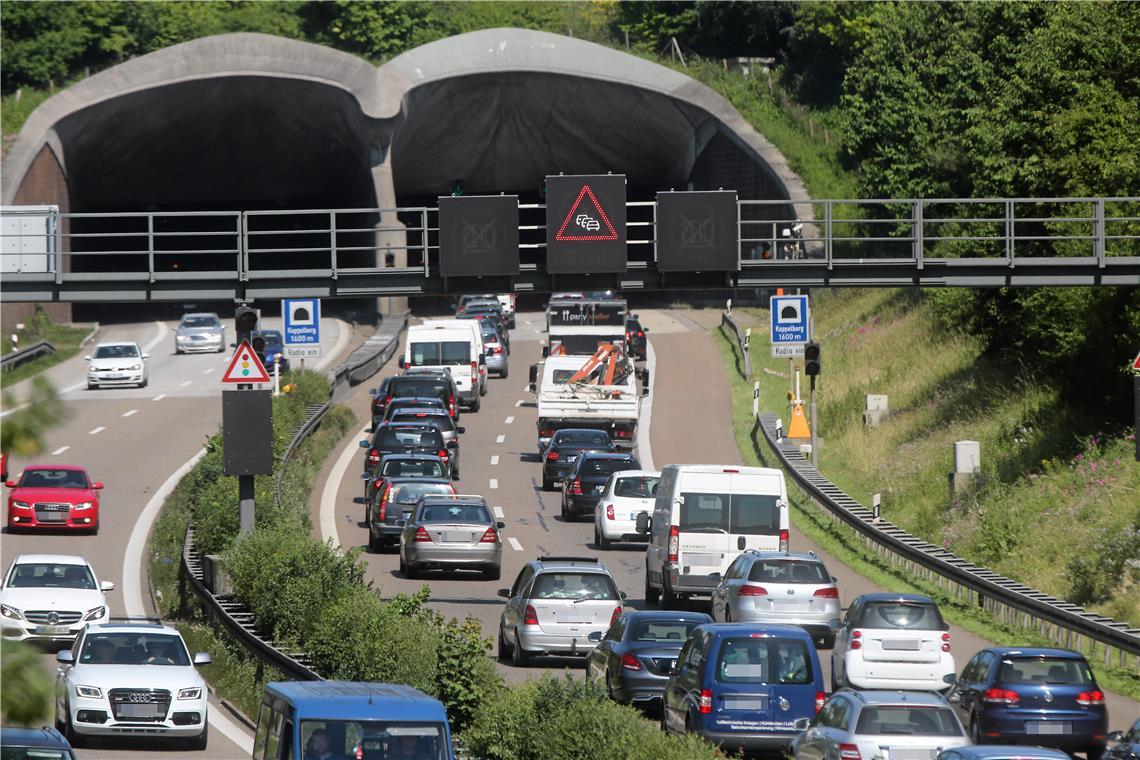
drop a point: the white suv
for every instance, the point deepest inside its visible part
(51, 597)
(892, 641)
(131, 678)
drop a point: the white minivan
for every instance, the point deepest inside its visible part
(476, 336)
(703, 517)
(453, 345)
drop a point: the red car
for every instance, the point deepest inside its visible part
(54, 496)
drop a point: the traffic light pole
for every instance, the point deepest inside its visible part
(814, 425)
(245, 503)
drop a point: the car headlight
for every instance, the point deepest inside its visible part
(96, 613)
(191, 693)
(21, 504)
(9, 611)
(182, 338)
(83, 505)
(135, 367)
(91, 692)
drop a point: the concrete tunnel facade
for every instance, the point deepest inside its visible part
(252, 121)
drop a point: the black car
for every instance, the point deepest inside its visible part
(415, 386)
(403, 466)
(411, 402)
(45, 743)
(634, 658)
(562, 452)
(635, 338)
(1127, 745)
(582, 488)
(393, 502)
(403, 438)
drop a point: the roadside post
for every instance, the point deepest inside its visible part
(247, 426)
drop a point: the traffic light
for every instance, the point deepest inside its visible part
(811, 359)
(245, 322)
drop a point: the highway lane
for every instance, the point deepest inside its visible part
(132, 440)
(690, 423)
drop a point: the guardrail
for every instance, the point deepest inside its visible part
(1064, 623)
(30, 353)
(206, 581)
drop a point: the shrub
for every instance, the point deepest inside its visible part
(27, 698)
(1097, 574)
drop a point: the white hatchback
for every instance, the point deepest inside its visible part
(627, 494)
(117, 364)
(51, 597)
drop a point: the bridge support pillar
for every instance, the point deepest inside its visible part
(391, 234)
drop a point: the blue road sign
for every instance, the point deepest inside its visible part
(302, 318)
(790, 320)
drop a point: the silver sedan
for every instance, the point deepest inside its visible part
(199, 332)
(451, 532)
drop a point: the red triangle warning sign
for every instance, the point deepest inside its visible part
(245, 367)
(1136, 364)
(586, 224)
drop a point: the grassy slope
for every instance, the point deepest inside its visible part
(64, 338)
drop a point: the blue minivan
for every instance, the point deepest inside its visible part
(349, 719)
(743, 686)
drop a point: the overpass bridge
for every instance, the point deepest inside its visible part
(177, 256)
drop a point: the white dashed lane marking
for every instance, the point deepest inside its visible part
(508, 420)
(130, 412)
(60, 450)
(519, 402)
(159, 397)
(186, 382)
(498, 512)
(97, 430)
(494, 484)
(211, 369)
(500, 438)
(494, 459)
(514, 542)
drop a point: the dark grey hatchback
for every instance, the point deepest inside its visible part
(564, 449)
(584, 485)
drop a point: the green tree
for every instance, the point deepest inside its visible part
(26, 699)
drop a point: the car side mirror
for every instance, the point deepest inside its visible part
(500, 525)
(373, 392)
(622, 594)
(358, 500)
(202, 658)
(946, 626)
(546, 352)
(107, 586)
(594, 636)
(364, 444)
(97, 486)
(643, 523)
(504, 592)
(645, 329)
(461, 429)
(1114, 736)
(9, 484)
(950, 679)
(531, 387)
(533, 374)
(65, 656)
(403, 363)
(802, 724)
(146, 356)
(715, 576)
(87, 358)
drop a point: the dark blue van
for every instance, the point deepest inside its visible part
(299, 720)
(743, 686)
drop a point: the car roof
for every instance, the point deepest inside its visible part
(406, 400)
(588, 564)
(665, 615)
(132, 628)
(805, 556)
(23, 736)
(747, 629)
(886, 697)
(607, 455)
(117, 343)
(1010, 751)
(72, 467)
(886, 596)
(406, 456)
(353, 700)
(401, 480)
(1067, 654)
(59, 559)
(405, 425)
(454, 498)
(432, 410)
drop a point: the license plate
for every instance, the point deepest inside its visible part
(51, 516)
(702, 559)
(455, 536)
(911, 645)
(666, 666)
(911, 754)
(52, 630)
(114, 376)
(1048, 727)
(146, 710)
(744, 703)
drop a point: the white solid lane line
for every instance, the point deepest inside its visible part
(130, 413)
(498, 512)
(162, 330)
(500, 438)
(494, 459)
(96, 431)
(328, 495)
(132, 587)
(644, 445)
(514, 542)
(159, 397)
(60, 450)
(508, 420)
(494, 484)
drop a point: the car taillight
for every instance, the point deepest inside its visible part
(383, 511)
(784, 540)
(546, 432)
(374, 456)
(855, 642)
(451, 405)
(609, 511)
(705, 705)
(614, 614)
(820, 698)
(530, 617)
(498, 349)
(674, 543)
(552, 456)
(827, 593)
(442, 454)
(849, 752)
(474, 370)
(629, 662)
(749, 590)
(1094, 697)
(622, 433)
(1001, 696)
(641, 333)
(489, 537)
(422, 535)
(945, 642)
(576, 487)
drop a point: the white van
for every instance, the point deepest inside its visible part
(476, 336)
(451, 345)
(704, 516)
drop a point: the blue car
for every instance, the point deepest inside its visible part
(1001, 752)
(744, 686)
(1031, 696)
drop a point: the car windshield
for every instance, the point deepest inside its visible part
(579, 586)
(418, 388)
(398, 438)
(1055, 670)
(412, 468)
(789, 571)
(906, 719)
(749, 514)
(129, 648)
(116, 352)
(581, 438)
(662, 630)
(454, 513)
(373, 740)
(200, 322)
(764, 659)
(410, 493)
(50, 575)
(47, 478)
(909, 616)
(597, 466)
(408, 402)
(441, 353)
(636, 487)
(442, 420)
